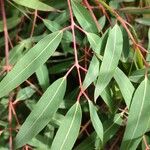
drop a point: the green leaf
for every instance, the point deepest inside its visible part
(68, 130)
(83, 17)
(42, 112)
(110, 61)
(97, 124)
(43, 76)
(25, 93)
(11, 23)
(30, 62)
(139, 119)
(95, 42)
(144, 21)
(148, 55)
(35, 4)
(125, 86)
(135, 10)
(138, 75)
(92, 72)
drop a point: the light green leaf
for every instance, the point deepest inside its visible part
(125, 86)
(11, 23)
(139, 119)
(144, 21)
(97, 124)
(68, 130)
(95, 42)
(29, 63)
(35, 4)
(43, 76)
(110, 60)
(25, 93)
(92, 72)
(83, 17)
(42, 112)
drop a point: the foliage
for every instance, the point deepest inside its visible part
(74, 74)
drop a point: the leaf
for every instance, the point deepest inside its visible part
(139, 119)
(35, 4)
(125, 86)
(83, 17)
(25, 93)
(110, 61)
(92, 72)
(95, 42)
(148, 55)
(43, 76)
(29, 63)
(135, 10)
(42, 112)
(11, 23)
(138, 75)
(68, 130)
(97, 124)
(144, 21)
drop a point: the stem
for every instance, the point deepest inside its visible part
(5, 35)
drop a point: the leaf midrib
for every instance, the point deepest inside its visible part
(30, 63)
(69, 127)
(43, 110)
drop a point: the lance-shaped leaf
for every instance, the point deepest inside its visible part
(42, 112)
(95, 42)
(30, 62)
(83, 17)
(125, 86)
(139, 118)
(92, 72)
(43, 77)
(97, 124)
(68, 130)
(110, 60)
(35, 4)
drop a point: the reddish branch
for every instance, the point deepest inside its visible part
(7, 67)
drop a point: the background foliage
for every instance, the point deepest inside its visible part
(74, 74)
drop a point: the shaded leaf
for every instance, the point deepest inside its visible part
(42, 112)
(11, 23)
(110, 61)
(144, 21)
(43, 76)
(29, 63)
(68, 130)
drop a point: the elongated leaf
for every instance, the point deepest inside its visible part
(125, 86)
(135, 10)
(92, 73)
(43, 77)
(35, 4)
(148, 55)
(95, 42)
(42, 112)
(25, 93)
(68, 130)
(29, 63)
(139, 119)
(11, 23)
(83, 17)
(144, 21)
(97, 124)
(110, 60)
